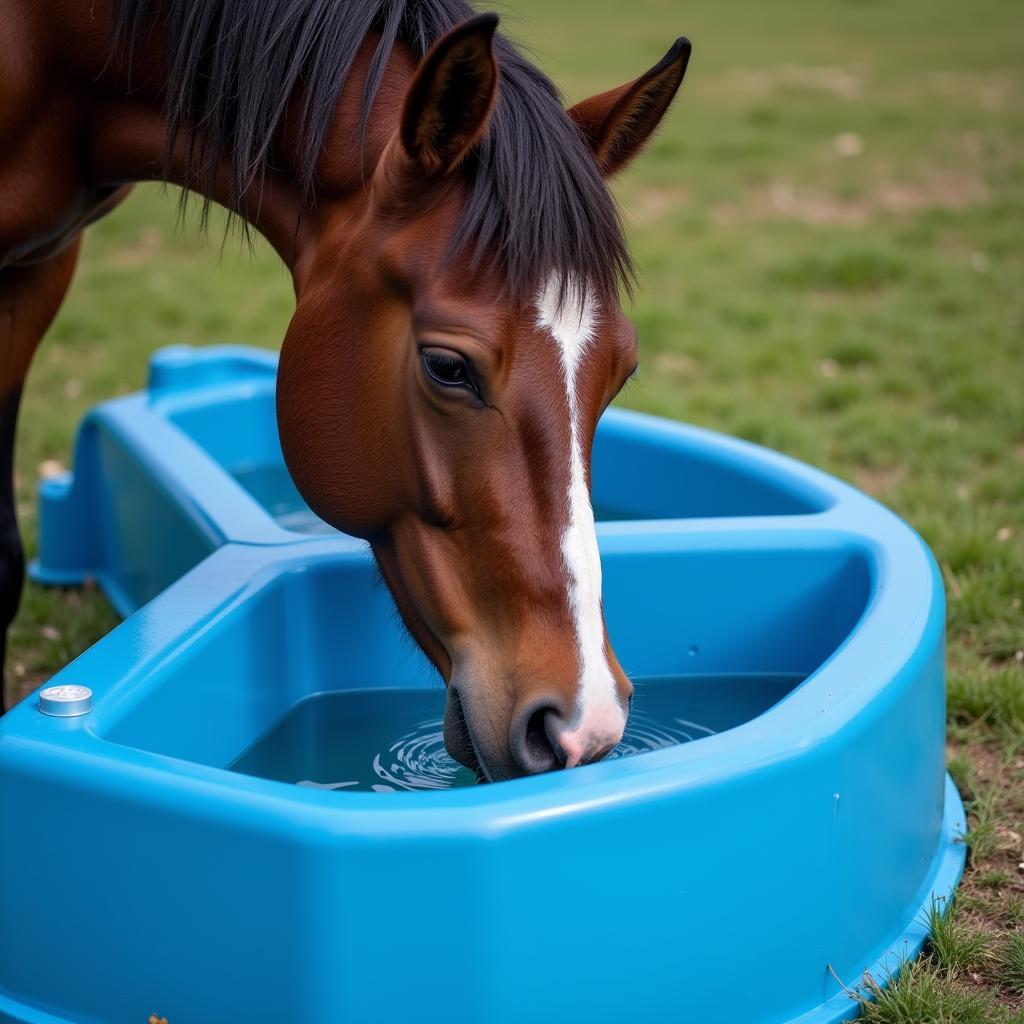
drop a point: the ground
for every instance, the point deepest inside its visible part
(829, 229)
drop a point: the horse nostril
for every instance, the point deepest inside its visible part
(531, 747)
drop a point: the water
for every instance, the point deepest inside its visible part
(386, 740)
(272, 487)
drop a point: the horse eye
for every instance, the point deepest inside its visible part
(447, 368)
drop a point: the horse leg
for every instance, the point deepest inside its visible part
(29, 299)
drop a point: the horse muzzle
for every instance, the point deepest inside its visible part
(543, 735)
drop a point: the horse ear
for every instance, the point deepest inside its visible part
(448, 105)
(618, 123)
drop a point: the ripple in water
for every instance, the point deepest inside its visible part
(333, 740)
(419, 761)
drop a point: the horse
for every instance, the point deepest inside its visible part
(458, 265)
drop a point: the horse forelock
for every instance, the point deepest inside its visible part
(535, 198)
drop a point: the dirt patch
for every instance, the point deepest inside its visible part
(655, 202)
(992, 90)
(676, 364)
(878, 482)
(146, 249)
(25, 682)
(952, 192)
(845, 82)
(783, 201)
(994, 883)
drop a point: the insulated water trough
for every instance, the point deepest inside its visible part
(154, 861)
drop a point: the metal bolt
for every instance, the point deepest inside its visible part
(65, 701)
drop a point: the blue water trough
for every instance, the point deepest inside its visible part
(155, 859)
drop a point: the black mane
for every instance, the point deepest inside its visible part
(536, 197)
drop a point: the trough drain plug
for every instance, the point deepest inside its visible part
(65, 701)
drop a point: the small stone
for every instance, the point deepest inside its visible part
(1004, 533)
(829, 369)
(49, 633)
(48, 468)
(979, 262)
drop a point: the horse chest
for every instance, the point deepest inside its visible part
(46, 197)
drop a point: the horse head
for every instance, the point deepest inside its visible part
(440, 399)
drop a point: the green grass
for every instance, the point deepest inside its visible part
(984, 823)
(993, 698)
(1010, 960)
(960, 979)
(919, 995)
(829, 229)
(955, 946)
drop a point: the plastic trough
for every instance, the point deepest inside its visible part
(743, 878)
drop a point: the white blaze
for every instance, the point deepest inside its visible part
(598, 718)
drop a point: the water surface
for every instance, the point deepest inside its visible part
(383, 740)
(271, 485)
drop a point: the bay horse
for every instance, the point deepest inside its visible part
(457, 262)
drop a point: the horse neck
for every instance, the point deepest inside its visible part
(129, 144)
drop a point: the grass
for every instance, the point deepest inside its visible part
(919, 995)
(1010, 960)
(992, 697)
(983, 833)
(955, 947)
(961, 978)
(829, 229)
